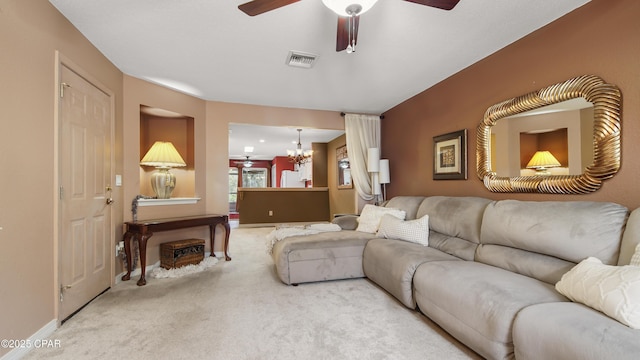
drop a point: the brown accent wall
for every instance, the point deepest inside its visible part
(179, 131)
(319, 165)
(600, 38)
(277, 205)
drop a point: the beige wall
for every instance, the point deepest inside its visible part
(341, 201)
(211, 123)
(220, 114)
(139, 92)
(30, 33)
(600, 38)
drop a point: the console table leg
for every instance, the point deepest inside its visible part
(212, 234)
(212, 237)
(227, 231)
(142, 244)
(127, 250)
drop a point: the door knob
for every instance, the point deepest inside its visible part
(109, 199)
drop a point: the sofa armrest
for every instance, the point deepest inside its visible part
(346, 222)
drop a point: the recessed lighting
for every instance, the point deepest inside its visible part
(248, 149)
(261, 140)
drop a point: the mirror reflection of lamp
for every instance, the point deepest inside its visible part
(542, 161)
(163, 156)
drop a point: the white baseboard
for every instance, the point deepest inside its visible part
(149, 268)
(33, 341)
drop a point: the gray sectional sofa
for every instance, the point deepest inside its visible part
(487, 276)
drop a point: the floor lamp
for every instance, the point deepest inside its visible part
(384, 177)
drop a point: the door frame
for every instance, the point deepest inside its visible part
(60, 61)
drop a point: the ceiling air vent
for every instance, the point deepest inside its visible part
(301, 60)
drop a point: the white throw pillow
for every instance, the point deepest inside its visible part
(635, 259)
(613, 290)
(416, 231)
(369, 219)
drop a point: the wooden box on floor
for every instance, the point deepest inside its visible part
(179, 253)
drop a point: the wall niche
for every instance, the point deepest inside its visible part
(158, 124)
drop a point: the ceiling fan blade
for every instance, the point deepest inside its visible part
(257, 7)
(440, 4)
(342, 38)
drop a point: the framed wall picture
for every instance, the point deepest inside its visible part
(450, 156)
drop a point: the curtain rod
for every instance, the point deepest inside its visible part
(343, 114)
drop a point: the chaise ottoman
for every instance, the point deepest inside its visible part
(324, 256)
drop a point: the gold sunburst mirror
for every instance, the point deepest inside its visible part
(603, 144)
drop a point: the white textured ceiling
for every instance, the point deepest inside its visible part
(212, 50)
(271, 141)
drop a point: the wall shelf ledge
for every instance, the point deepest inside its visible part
(171, 201)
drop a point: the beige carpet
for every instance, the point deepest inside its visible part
(240, 310)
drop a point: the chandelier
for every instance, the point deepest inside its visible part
(299, 156)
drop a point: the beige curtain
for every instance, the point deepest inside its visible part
(362, 132)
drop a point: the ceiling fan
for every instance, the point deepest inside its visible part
(348, 11)
(245, 163)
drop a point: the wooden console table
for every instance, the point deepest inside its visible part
(144, 229)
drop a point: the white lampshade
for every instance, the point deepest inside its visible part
(384, 171)
(373, 160)
(340, 6)
(162, 154)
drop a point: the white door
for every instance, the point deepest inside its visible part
(85, 192)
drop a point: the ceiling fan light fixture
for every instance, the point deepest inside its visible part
(349, 7)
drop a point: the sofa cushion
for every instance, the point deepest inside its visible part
(416, 231)
(392, 263)
(614, 290)
(452, 245)
(409, 204)
(567, 230)
(454, 223)
(370, 217)
(455, 216)
(477, 303)
(542, 267)
(346, 222)
(571, 331)
(630, 238)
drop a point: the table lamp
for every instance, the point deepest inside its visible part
(163, 155)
